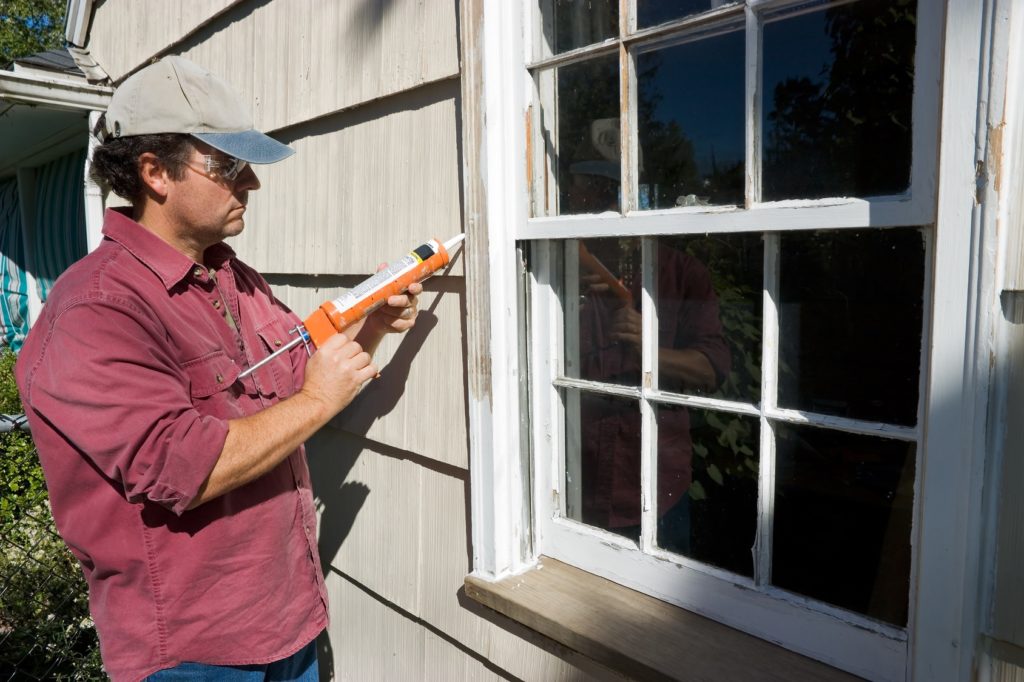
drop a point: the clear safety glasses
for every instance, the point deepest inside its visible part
(227, 167)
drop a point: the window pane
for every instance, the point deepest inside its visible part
(690, 123)
(588, 153)
(843, 514)
(602, 461)
(654, 12)
(569, 24)
(708, 300)
(837, 90)
(850, 319)
(602, 311)
(707, 486)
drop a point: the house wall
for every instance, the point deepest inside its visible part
(367, 91)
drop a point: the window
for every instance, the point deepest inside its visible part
(730, 238)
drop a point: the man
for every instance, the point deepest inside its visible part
(182, 489)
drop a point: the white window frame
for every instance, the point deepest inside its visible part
(498, 93)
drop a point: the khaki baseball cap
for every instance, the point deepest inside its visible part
(175, 95)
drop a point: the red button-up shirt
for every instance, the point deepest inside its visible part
(129, 379)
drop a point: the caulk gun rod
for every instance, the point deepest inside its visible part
(288, 346)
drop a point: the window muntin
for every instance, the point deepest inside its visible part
(762, 412)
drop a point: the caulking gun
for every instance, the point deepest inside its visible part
(370, 294)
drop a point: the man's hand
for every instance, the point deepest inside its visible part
(336, 372)
(399, 314)
(627, 325)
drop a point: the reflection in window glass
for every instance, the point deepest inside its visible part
(843, 514)
(588, 136)
(837, 91)
(654, 12)
(708, 302)
(707, 486)
(577, 23)
(690, 123)
(602, 310)
(850, 319)
(602, 467)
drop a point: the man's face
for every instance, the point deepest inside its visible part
(206, 207)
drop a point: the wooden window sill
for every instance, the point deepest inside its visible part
(638, 635)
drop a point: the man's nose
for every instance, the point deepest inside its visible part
(247, 179)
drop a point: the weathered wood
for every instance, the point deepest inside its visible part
(636, 634)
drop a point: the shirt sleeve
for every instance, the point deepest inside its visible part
(108, 384)
(701, 323)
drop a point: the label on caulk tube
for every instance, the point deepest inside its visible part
(381, 279)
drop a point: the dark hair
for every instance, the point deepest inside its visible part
(115, 162)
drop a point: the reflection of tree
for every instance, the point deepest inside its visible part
(849, 134)
(734, 262)
(668, 154)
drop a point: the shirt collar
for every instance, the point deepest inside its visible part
(166, 262)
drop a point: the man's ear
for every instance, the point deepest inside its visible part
(154, 174)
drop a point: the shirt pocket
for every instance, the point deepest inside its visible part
(276, 376)
(210, 381)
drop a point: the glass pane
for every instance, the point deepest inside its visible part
(837, 91)
(690, 123)
(588, 149)
(602, 462)
(569, 24)
(850, 319)
(602, 310)
(708, 299)
(843, 515)
(707, 486)
(654, 12)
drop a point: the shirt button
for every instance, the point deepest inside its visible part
(277, 342)
(220, 378)
(198, 272)
(216, 304)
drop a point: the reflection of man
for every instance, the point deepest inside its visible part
(183, 490)
(693, 357)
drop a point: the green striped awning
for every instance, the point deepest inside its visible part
(13, 281)
(60, 218)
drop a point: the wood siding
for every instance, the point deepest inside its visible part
(295, 60)
(365, 186)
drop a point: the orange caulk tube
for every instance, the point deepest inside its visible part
(370, 294)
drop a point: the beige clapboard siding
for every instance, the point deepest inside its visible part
(397, 525)
(318, 57)
(369, 640)
(417, 404)
(294, 60)
(364, 187)
(125, 34)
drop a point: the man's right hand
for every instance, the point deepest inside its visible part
(336, 372)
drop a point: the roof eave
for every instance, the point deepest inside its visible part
(55, 94)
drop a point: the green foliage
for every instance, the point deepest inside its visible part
(30, 26)
(45, 628)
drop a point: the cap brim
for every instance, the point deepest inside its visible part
(248, 145)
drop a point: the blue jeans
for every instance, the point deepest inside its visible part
(299, 667)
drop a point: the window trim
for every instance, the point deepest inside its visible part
(496, 116)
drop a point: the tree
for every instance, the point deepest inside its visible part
(30, 26)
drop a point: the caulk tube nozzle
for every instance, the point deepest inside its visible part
(454, 241)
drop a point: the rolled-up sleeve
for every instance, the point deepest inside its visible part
(108, 384)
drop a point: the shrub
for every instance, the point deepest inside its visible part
(45, 628)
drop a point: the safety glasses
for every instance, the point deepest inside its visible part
(227, 167)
